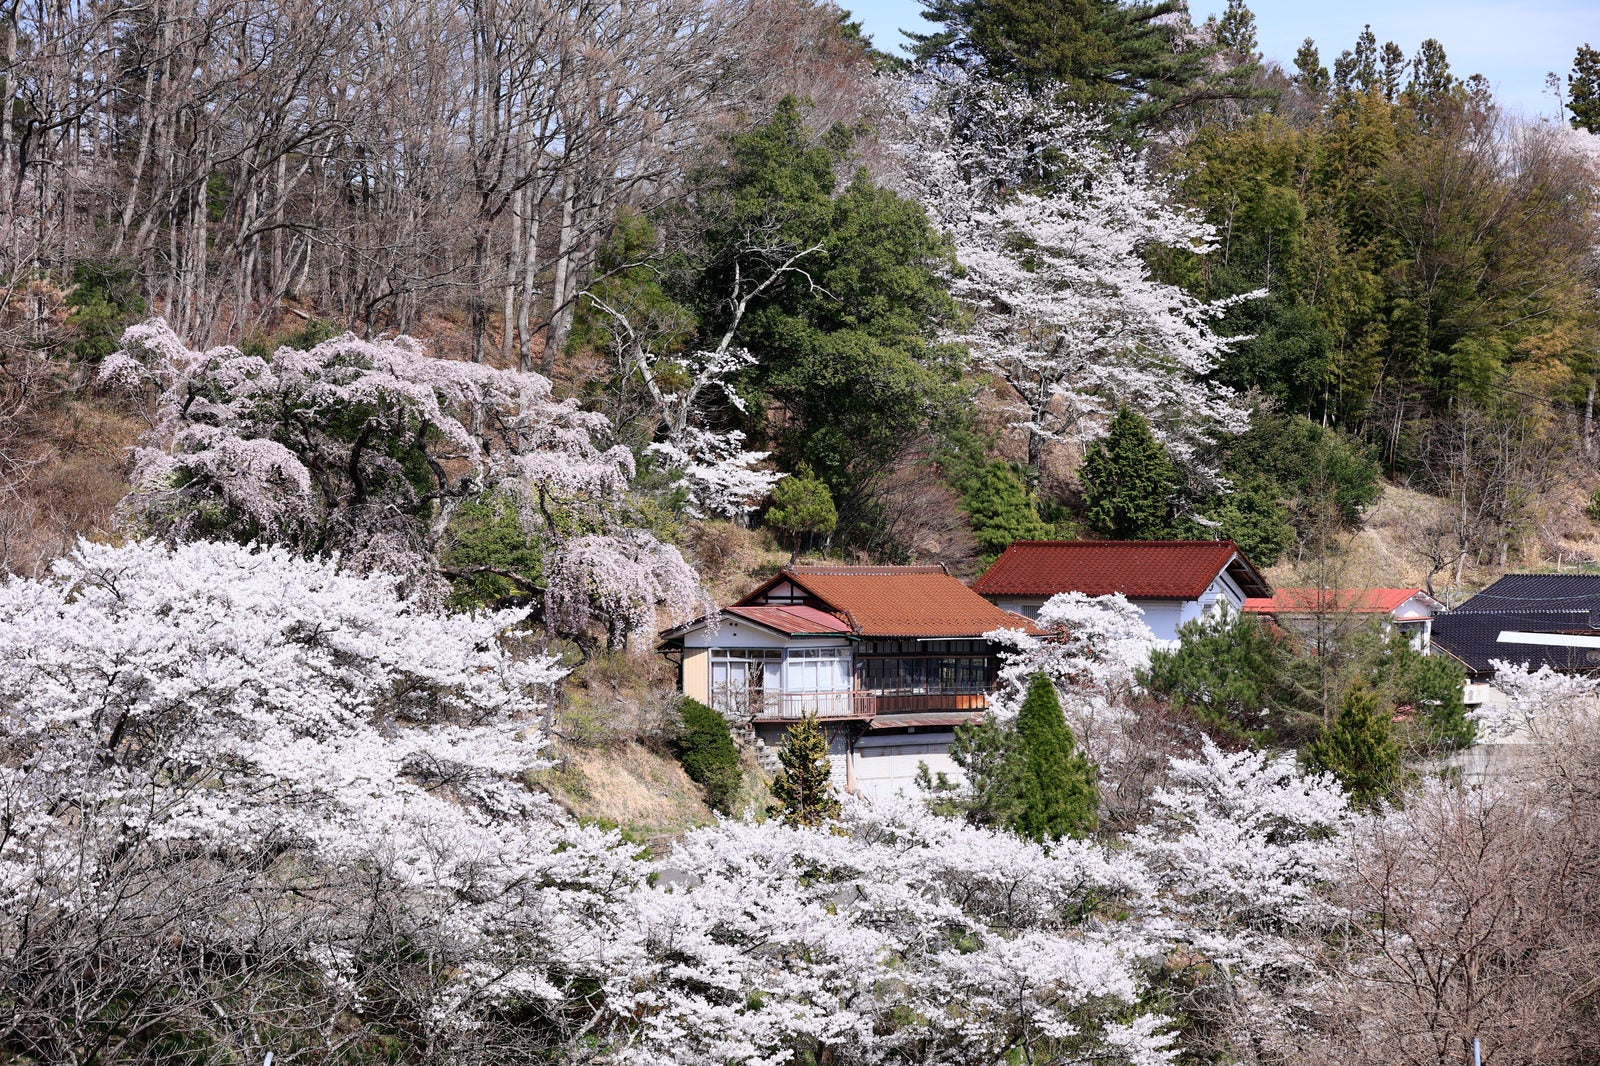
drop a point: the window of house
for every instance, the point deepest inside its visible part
(741, 678)
(817, 670)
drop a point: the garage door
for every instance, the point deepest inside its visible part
(888, 765)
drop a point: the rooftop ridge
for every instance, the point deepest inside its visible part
(863, 571)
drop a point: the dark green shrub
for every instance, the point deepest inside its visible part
(1359, 749)
(705, 748)
(104, 300)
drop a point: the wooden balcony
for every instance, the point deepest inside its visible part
(859, 705)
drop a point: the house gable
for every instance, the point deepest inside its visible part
(1142, 570)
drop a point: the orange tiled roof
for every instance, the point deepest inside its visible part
(897, 601)
(1348, 601)
(1142, 569)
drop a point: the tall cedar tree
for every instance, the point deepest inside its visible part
(708, 756)
(1100, 53)
(1359, 748)
(1056, 794)
(997, 502)
(1129, 482)
(803, 787)
(1583, 89)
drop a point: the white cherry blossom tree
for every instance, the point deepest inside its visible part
(370, 448)
(1055, 233)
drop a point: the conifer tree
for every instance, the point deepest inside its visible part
(1228, 672)
(1055, 787)
(1098, 53)
(1001, 512)
(802, 507)
(708, 756)
(1129, 481)
(986, 753)
(804, 788)
(1583, 89)
(1312, 76)
(1359, 748)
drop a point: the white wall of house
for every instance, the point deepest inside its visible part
(885, 765)
(1164, 617)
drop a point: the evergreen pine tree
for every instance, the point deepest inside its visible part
(708, 756)
(1583, 89)
(801, 508)
(1094, 52)
(986, 754)
(803, 788)
(1359, 748)
(1430, 73)
(1229, 673)
(1129, 482)
(1312, 76)
(1236, 30)
(1432, 685)
(1055, 783)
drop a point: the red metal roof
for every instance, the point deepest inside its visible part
(895, 601)
(1144, 569)
(793, 619)
(1347, 601)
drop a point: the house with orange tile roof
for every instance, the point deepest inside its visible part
(1172, 581)
(890, 658)
(1296, 609)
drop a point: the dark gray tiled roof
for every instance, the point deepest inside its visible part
(1473, 637)
(1537, 592)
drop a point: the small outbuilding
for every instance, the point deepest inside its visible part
(1172, 581)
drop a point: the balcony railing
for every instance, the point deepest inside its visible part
(788, 706)
(784, 706)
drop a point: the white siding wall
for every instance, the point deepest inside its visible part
(1164, 617)
(885, 765)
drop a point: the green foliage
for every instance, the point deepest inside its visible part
(1100, 53)
(1129, 482)
(485, 536)
(1359, 749)
(849, 373)
(985, 753)
(997, 503)
(1583, 89)
(1055, 792)
(802, 507)
(803, 788)
(1321, 470)
(1431, 685)
(1228, 673)
(311, 334)
(104, 300)
(1410, 262)
(706, 750)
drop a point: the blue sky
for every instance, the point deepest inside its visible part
(1511, 43)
